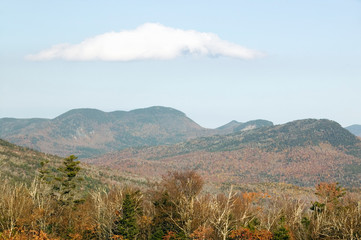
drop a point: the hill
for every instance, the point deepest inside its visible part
(21, 165)
(302, 152)
(91, 132)
(355, 129)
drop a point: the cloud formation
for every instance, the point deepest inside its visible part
(148, 41)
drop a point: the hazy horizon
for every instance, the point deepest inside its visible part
(212, 127)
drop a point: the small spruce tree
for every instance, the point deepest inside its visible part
(281, 234)
(158, 234)
(67, 181)
(127, 226)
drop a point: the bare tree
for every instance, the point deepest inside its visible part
(15, 205)
(221, 209)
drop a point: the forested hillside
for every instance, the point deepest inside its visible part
(302, 152)
(21, 165)
(47, 197)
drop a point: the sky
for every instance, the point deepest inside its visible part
(216, 61)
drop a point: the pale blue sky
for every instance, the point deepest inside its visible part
(311, 67)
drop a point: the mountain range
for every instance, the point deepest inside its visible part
(91, 132)
(302, 152)
(150, 142)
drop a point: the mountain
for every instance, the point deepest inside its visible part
(302, 152)
(235, 126)
(355, 129)
(91, 132)
(229, 126)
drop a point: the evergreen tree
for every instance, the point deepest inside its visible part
(67, 181)
(162, 224)
(43, 172)
(126, 226)
(281, 234)
(158, 234)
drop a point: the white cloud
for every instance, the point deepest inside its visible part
(148, 41)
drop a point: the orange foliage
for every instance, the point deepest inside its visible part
(117, 237)
(302, 165)
(246, 234)
(170, 236)
(202, 233)
(253, 197)
(25, 235)
(329, 194)
(329, 191)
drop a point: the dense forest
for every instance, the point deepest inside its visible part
(55, 206)
(302, 152)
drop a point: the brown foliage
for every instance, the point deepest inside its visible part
(187, 184)
(179, 204)
(203, 233)
(247, 234)
(329, 194)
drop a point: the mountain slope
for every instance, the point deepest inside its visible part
(21, 164)
(302, 152)
(355, 129)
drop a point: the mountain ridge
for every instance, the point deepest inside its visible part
(301, 152)
(88, 132)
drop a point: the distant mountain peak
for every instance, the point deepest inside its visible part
(88, 132)
(86, 112)
(304, 132)
(231, 124)
(235, 126)
(158, 110)
(355, 129)
(253, 124)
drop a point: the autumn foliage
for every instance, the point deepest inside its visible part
(176, 208)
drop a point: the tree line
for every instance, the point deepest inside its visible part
(176, 208)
